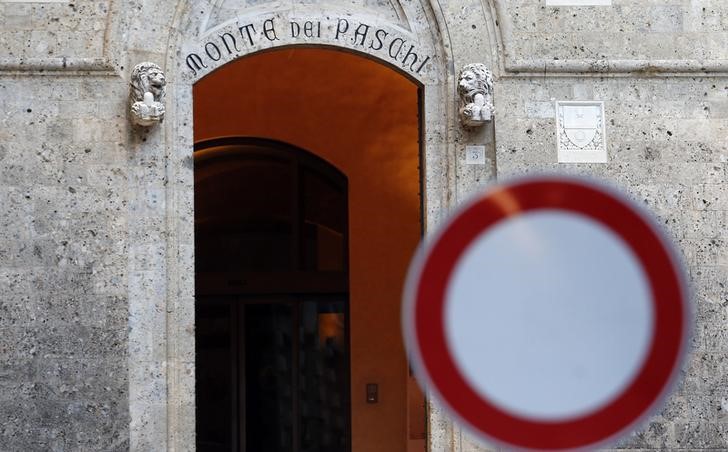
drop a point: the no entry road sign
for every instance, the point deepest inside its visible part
(549, 313)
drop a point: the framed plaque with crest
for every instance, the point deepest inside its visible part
(580, 132)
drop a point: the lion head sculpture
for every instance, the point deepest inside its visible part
(475, 86)
(147, 78)
(147, 94)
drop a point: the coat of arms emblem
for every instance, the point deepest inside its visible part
(580, 130)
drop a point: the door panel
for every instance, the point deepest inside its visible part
(216, 402)
(273, 374)
(323, 377)
(267, 361)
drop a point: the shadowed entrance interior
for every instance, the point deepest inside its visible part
(357, 119)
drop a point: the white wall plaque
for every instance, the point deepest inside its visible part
(580, 132)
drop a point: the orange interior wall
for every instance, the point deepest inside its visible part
(363, 118)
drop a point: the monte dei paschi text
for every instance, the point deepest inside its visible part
(353, 35)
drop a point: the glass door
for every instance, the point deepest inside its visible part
(322, 380)
(272, 374)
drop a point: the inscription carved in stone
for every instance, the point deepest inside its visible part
(147, 94)
(475, 86)
(361, 36)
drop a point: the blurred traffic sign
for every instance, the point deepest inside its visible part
(549, 313)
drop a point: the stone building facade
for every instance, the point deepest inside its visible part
(97, 253)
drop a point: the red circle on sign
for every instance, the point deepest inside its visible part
(425, 301)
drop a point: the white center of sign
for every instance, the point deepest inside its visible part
(537, 323)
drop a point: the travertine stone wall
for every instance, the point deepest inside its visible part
(63, 264)
(54, 29)
(667, 149)
(96, 245)
(390, 11)
(627, 30)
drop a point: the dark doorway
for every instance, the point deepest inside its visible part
(271, 299)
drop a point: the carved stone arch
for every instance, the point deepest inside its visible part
(445, 37)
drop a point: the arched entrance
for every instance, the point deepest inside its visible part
(286, 257)
(163, 175)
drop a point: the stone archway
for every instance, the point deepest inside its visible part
(361, 117)
(205, 35)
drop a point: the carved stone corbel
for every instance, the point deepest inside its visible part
(475, 87)
(146, 98)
